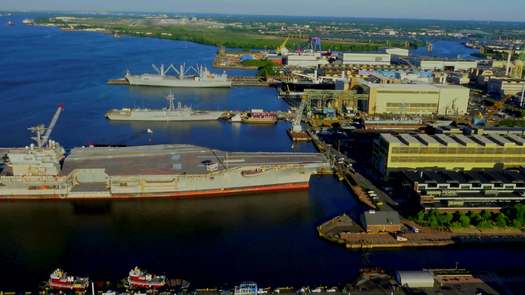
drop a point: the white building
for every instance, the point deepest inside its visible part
(306, 60)
(416, 99)
(505, 86)
(351, 58)
(398, 51)
(452, 65)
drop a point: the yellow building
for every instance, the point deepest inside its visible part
(447, 151)
(419, 99)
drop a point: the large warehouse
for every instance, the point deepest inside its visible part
(448, 65)
(421, 99)
(447, 151)
(351, 58)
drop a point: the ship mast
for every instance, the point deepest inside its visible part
(171, 98)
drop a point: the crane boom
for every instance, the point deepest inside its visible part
(52, 124)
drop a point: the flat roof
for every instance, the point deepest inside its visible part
(454, 140)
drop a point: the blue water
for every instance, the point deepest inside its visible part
(268, 238)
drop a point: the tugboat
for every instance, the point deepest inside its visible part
(140, 279)
(59, 280)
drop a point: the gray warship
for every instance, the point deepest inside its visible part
(43, 171)
(170, 113)
(196, 77)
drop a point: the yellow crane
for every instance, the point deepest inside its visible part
(281, 49)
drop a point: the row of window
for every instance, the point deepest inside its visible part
(411, 105)
(517, 160)
(457, 150)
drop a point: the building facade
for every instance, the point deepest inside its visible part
(447, 151)
(350, 58)
(420, 99)
(505, 86)
(449, 65)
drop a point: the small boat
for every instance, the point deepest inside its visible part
(260, 117)
(60, 280)
(140, 279)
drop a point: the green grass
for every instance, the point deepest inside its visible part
(230, 38)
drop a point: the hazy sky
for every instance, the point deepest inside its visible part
(437, 9)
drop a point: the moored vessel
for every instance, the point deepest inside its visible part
(60, 280)
(257, 116)
(138, 278)
(170, 113)
(192, 77)
(44, 171)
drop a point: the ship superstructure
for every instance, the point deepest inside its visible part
(198, 77)
(138, 278)
(60, 280)
(169, 170)
(170, 113)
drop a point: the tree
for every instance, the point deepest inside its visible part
(475, 218)
(501, 220)
(464, 219)
(421, 217)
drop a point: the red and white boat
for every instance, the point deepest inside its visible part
(60, 280)
(140, 279)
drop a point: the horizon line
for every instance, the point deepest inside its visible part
(265, 15)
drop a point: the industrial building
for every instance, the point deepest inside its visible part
(481, 189)
(447, 151)
(352, 58)
(505, 86)
(420, 99)
(306, 60)
(398, 51)
(381, 221)
(448, 65)
(415, 279)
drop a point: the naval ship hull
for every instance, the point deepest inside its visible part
(152, 115)
(171, 81)
(165, 171)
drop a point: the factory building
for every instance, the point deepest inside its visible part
(306, 60)
(350, 58)
(447, 151)
(475, 189)
(448, 65)
(505, 86)
(420, 99)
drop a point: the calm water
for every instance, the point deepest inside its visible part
(269, 238)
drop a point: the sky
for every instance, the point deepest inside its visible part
(509, 10)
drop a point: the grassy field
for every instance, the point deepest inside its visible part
(227, 37)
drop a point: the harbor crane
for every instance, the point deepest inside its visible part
(281, 49)
(42, 133)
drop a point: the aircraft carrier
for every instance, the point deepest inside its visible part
(43, 171)
(170, 113)
(201, 78)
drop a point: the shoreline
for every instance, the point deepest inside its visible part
(341, 230)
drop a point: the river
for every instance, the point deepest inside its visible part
(268, 238)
